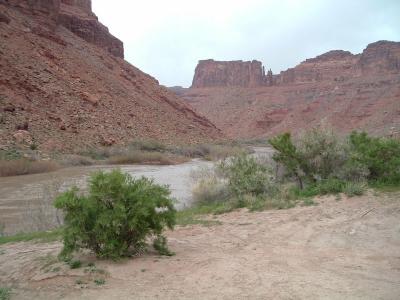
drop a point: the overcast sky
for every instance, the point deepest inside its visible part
(167, 38)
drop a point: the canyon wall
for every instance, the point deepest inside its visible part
(347, 91)
(76, 16)
(211, 73)
(378, 58)
(64, 86)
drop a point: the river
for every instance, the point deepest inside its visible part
(25, 201)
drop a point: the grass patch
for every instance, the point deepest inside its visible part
(25, 166)
(99, 281)
(5, 293)
(43, 236)
(75, 264)
(76, 160)
(195, 215)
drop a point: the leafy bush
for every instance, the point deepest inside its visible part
(209, 190)
(75, 264)
(321, 153)
(352, 189)
(116, 216)
(245, 176)
(287, 155)
(381, 156)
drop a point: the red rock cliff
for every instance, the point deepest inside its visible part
(211, 73)
(76, 16)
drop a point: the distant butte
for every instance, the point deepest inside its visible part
(348, 91)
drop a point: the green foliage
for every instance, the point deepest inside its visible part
(5, 293)
(10, 154)
(352, 189)
(321, 154)
(209, 190)
(75, 264)
(160, 244)
(116, 216)
(288, 155)
(99, 281)
(40, 236)
(381, 156)
(245, 176)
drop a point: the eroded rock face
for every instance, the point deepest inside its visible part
(211, 73)
(344, 90)
(382, 57)
(60, 89)
(76, 16)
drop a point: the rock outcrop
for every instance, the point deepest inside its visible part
(381, 57)
(75, 15)
(64, 84)
(211, 73)
(348, 91)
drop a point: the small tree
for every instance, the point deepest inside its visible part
(288, 155)
(116, 216)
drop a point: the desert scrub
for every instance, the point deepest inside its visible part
(245, 176)
(5, 293)
(116, 216)
(352, 189)
(379, 155)
(25, 166)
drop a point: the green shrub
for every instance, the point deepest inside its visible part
(330, 186)
(352, 189)
(287, 155)
(116, 216)
(5, 293)
(99, 281)
(381, 156)
(75, 264)
(321, 153)
(245, 176)
(209, 190)
(160, 244)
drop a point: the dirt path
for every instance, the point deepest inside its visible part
(348, 249)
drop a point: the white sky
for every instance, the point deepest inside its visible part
(167, 38)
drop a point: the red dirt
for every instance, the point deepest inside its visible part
(64, 81)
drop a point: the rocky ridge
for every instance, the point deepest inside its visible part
(64, 84)
(348, 91)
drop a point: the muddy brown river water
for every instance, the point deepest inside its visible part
(25, 201)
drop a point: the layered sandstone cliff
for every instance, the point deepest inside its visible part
(378, 58)
(64, 85)
(348, 91)
(211, 73)
(75, 15)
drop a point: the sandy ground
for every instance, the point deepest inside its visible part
(347, 249)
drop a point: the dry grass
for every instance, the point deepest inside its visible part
(144, 157)
(25, 166)
(76, 160)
